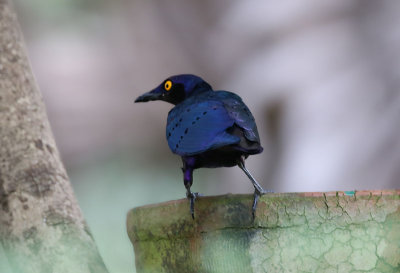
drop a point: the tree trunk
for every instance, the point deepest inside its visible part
(306, 232)
(41, 226)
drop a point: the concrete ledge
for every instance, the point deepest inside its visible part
(292, 232)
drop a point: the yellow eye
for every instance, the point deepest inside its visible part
(168, 85)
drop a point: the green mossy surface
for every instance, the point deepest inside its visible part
(331, 232)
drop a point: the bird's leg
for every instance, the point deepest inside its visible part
(258, 190)
(188, 181)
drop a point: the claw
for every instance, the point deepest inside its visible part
(192, 196)
(255, 200)
(257, 195)
(258, 190)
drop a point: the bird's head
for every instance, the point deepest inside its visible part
(176, 89)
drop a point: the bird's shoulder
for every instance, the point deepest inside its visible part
(224, 105)
(199, 124)
(202, 102)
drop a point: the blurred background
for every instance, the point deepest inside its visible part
(322, 79)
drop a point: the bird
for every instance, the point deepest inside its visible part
(207, 128)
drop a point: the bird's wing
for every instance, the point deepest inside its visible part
(195, 127)
(240, 113)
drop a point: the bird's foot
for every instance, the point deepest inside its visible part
(192, 196)
(257, 194)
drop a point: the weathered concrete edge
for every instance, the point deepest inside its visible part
(172, 219)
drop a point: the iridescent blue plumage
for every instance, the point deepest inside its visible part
(195, 127)
(207, 128)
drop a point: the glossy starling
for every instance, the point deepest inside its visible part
(207, 128)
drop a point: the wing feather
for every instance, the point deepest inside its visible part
(193, 128)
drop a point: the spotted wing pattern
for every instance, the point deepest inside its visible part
(197, 126)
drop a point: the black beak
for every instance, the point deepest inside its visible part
(152, 95)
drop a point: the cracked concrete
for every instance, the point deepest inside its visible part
(308, 232)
